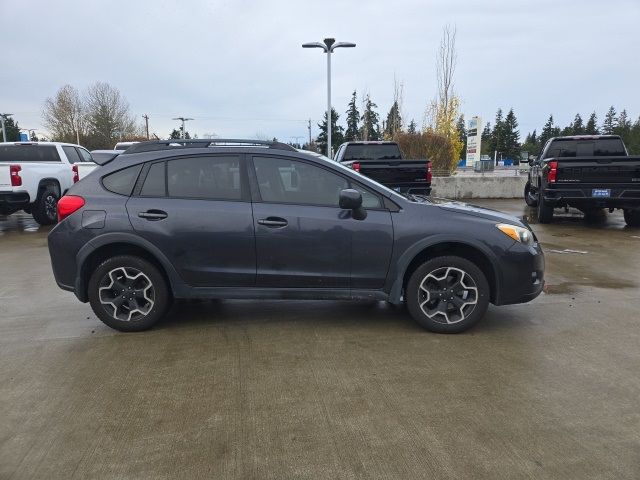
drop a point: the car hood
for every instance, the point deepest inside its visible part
(476, 211)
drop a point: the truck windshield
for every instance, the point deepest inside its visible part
(601, 147)
(372, 152)
(28, 153)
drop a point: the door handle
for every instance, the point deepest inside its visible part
(273, 222)
(153, 215)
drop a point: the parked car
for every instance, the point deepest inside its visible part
(588, 172)
(33, 176)
(383, 162)
(123, 145)
(197, 220)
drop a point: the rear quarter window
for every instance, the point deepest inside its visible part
(122, 181)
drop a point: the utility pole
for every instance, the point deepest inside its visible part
(183, 120)
(3, 118)
(309, 127)
(146, 121)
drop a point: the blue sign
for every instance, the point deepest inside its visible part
(24, 137)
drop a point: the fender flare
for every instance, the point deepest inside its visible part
(95, 243)
(414, 250)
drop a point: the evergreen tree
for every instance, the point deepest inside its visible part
(412, 128)
(393, 123)
(496, 141)
(511, 137)
(485, 145)
(548, 131)
(591, 128)
(610, 122)
(176, 133)
(624, 126)
(12, 129)
(337, 135)
(370, 129)
(530, 144)
(577, 127)
(353, 119)
(633, 145)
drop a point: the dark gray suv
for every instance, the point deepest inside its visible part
(246, 219)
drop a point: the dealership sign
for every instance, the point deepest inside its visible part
(474, 137)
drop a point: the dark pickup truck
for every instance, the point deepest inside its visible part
(585, 172)
(383, 162)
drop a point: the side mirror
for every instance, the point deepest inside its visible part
(351, 199)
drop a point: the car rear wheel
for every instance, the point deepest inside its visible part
(530, 198)
(45, 209)
(545, 211)
(128, 293)
(447, 294)
(632, 217)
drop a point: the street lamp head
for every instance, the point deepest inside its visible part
(329, 42)
(343, 44)
(314, 45)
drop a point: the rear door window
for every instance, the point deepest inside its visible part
(154, 183)
(72, 154)
(213, 178)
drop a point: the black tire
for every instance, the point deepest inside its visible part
(632, 217)
(545, 211)
(45, 209)
(437, 314)
(531, 199)
(136, 276)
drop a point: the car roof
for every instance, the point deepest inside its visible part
(62, 144)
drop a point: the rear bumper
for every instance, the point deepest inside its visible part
(522, 274)
(14, 200)
(410, 187)
(580, 196)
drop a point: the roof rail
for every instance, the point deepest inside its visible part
(202, 143)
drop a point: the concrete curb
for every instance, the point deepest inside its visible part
(459, 186)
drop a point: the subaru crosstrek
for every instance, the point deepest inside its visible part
(246, 219)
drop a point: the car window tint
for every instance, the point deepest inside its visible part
(122, 181)
(86, 156)
(28, 153)
(205, 177)
(291, 181)
(369, 199)
(72, 154)
(154, 184)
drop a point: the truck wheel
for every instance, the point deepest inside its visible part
(530, 198)
(632, 217)
(128, 293)
(545, 211)
(45, 209)
(447, 294)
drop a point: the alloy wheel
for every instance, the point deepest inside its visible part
(127, 294)
(447, 295)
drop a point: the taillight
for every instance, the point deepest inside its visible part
(356, 166)
(69, 204)
(76, 177)
(429, 172)
(552, 176)
(16, 179)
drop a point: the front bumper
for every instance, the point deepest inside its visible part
(522, 274)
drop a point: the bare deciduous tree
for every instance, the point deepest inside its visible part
(108, 116)
(63, 115)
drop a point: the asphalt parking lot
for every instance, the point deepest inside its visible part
(254, 389)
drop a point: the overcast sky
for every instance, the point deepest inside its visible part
(237, 67)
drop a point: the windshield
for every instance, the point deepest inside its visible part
(373, 151)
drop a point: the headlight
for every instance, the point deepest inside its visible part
(519, 234)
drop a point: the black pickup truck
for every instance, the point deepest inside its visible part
(383, 162)
(585, 172)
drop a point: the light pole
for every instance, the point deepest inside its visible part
(3, 118)
(328, 47)
(183, 119)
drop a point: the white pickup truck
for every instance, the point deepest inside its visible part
(34, 175)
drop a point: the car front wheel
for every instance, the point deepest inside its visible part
(447, 294)
(128, 293)
(632, 217)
